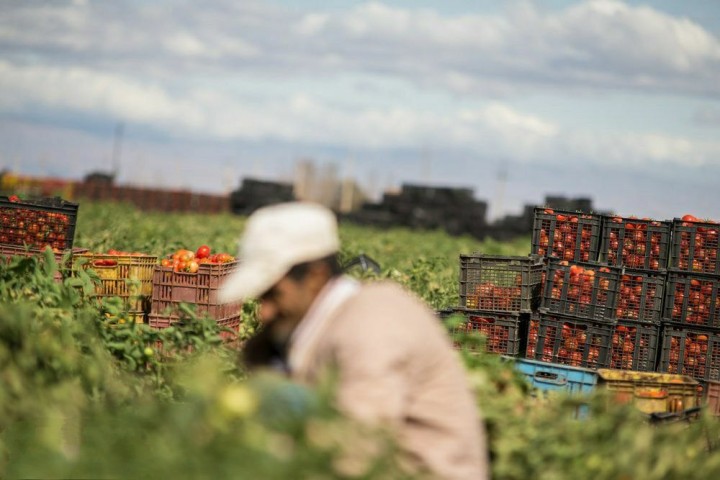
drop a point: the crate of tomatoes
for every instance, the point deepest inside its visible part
(640, 295)
(634, 345)
(566, 235)
(500, 283)
(695, 246)
(38, 223)
(650, 392)
(635, 242)
(63, 259)
(194, 277)
(583, 290)
(570, 341)
(127, 275)
(692, 299)
(691, 351)
(501, 330)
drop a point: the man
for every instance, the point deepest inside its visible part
(394, 363)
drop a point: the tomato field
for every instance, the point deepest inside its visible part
(85, 392)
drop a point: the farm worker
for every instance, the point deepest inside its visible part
(394, 364)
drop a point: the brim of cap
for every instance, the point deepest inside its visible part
(250, 280)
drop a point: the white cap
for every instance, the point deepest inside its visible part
(276, 238)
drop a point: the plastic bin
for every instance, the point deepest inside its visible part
(712, 397)
(38, 223)
(634, 346)
(650, 392)
(640, 295)
(566, 235)
(635, 243)
(502, 330)
(171, 288)
(695, 247)
(231, 322)
(547, 379)
(129, 277)
(691, 351)
(582, 290)
(569, 341)
(500, 283)
(692, 299)
(9, 251)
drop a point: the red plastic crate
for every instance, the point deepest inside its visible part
(231, 322)
(695, 247)
(583, 290)
(692, 300)
(9, 251)
(502, 330)
(38, 223)
(635, 243)
(500, 283)
(691, 351)
(566, 235)
(640, 295)
(569, 341)
(171, 288)
(634, 346)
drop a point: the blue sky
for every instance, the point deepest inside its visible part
(615, 100)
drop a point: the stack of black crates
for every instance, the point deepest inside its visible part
(691, 311)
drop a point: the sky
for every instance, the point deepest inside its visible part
(618, 101)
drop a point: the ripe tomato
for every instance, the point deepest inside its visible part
(192, 266)
(202, 252)
(689, 218)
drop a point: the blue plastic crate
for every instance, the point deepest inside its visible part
(552, 376)
(548, 378)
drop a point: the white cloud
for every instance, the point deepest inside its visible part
(596, 44)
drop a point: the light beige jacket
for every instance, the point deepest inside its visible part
(397, 368)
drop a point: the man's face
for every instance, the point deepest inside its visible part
(287, 302)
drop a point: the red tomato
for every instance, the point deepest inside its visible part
(202, 252)
(14, 198)
(689, 218)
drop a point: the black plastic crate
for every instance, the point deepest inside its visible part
(502, 330)
(692, 299)
(634, 346)
(691, 351)
(640, 295)
(695, 247)
(635, 243)
(500, 283)
(569, 341)
(583, 290)
(566, 235)
(38, 223)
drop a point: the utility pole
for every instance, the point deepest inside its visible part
(117, 148)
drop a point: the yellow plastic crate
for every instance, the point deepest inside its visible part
(650, 392)
(130, 277)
